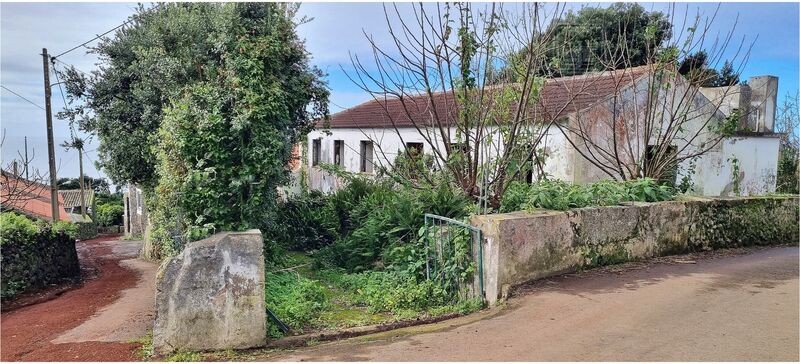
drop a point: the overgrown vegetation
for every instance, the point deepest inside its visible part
(559, 195)
(212, 97)
(35, 253)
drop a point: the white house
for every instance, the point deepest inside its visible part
(369, 135)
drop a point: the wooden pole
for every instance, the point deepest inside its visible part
(51, 149)
(83, 198)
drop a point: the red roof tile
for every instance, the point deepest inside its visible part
(559, 97)
(29, 198)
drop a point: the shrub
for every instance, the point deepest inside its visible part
(294, 299)
(393, 291)
(109, 214)
(34, 253)
(560, 195)
(383, 224)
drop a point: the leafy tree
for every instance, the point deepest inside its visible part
(201, 104)
(598, 39)
(695, 66)
(99, 185)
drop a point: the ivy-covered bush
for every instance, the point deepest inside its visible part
(560, 195)
(35, 253)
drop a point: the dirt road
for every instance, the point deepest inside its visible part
(93, 322)
(734, 307)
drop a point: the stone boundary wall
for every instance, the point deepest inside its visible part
(43, 259)
(523, 246)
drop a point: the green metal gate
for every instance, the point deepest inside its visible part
(454, 256)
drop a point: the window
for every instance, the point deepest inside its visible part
(366, 156)
(338, 152)
(655, 155)
(414, 149)
(316, 145)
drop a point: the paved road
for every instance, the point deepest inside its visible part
(94, 321)
(734, 307)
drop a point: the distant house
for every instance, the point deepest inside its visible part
(369, 135)
(28, 198)
(73, 204)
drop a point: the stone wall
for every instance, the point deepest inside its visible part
(523, 246)
(35, 261)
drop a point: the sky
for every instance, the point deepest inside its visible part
(335, 31)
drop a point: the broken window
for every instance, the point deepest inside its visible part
(338, 152)
(665, 159)
(414, 149)
(366, 156)
(316, 145)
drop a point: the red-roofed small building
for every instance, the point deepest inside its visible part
(28, 198)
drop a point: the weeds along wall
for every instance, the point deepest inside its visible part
(35, 254)
(523, 246)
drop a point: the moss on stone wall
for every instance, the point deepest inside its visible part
(742, 222)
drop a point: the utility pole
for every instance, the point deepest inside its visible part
(51, 149)
(80, 164)
(27, 161)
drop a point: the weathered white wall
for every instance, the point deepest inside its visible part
(388, 142)
(713, 172)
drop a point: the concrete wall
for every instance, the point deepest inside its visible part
(713, 174)
(524, 246)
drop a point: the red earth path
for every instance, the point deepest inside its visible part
(27, 332)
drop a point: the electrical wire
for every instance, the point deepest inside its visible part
(100, 35)
(22, 97)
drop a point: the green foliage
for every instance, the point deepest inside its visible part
(394, 291)
(594, 38)
(67, 228)
(560, 195)
(109, 214)
(99, 185)
(208, 100)
(296, 300)
(380, 221)
(788, 179)
(35, 253)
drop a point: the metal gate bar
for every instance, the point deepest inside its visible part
(432, 221)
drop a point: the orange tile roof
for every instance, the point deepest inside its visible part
(29, 198)
(559, 97)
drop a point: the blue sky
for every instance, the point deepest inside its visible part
(336, 30)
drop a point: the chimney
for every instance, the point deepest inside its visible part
(763, 103)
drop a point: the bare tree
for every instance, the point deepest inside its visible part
(459, 77)
(20, 183)
(656, 117)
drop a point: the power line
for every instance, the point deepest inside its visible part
(22, 97)
(101, 35)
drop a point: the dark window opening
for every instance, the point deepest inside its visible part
(316, 145)
(338, 152)
(414, 149)
(656, 155)
(366, 156)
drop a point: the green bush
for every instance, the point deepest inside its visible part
(109, 214)
(296, 300)
(381, 230)
(560, 195)
(35, 253)
(392, 291)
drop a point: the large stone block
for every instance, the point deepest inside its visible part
(211, 295)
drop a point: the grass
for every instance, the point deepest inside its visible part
(309, 300)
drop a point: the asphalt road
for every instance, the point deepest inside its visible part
(723, 307)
